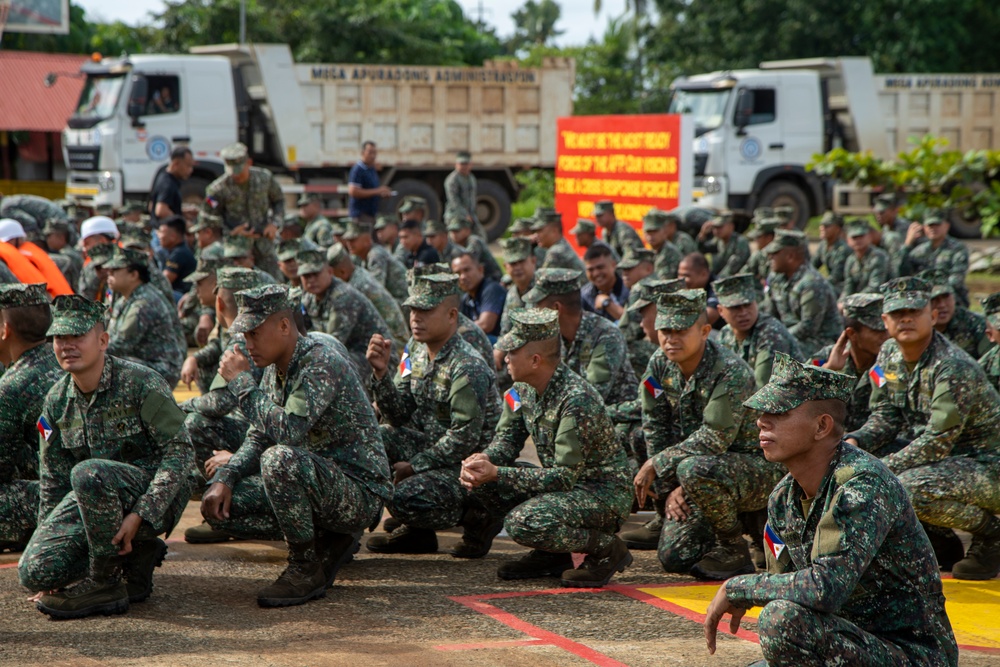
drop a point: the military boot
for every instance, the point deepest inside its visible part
(982, 561)
(534, 565)
(146, 556)
(404, 540)
(102, 592)
(391, 523)
(335, 550)
(948, 548)
(203, 533)
(647, 537)
(303, 580)
(729, 557)
(599, 566)
(480, 529)
(753, 525)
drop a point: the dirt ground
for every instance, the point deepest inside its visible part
(382, 610)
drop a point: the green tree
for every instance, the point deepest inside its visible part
(535, 25)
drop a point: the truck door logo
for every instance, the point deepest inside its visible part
(158, 149)
(750, 148)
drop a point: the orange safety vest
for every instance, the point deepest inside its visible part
(56, 283)
(20, 265)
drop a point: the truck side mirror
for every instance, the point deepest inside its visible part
(744, 110)
(137, 100)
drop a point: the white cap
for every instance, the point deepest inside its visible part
(99, 224)
(11, 229)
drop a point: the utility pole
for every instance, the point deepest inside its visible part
(243, 22)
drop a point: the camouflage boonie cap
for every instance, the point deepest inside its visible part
(654, 220)
(74, 315)
(856, 228)
(905, 293)
(793, 383)
(549, 282)
(784, 213)
(604, 206)
(932, 218)
(311, 261)
(991, 309)
(257, 304)
(336, 254)
(428, 291)
(865, 307)
(356, 229)
(16, 295)
(765, 226)
(786, 238)
(457, 222)
(434, 227)
(516, 249)
(735, 291)
(101, 253)
(529, 325)
(55, 226)
(521, 225)
(648, 292)
(238, 278)
(206, 221)
(288, 249)
(384, 221)
(885, 201)
(831, 218)
(410, 203)
(235, 156)
(633, 257)
(234, 247)
(939, 282)
(762, 213)
(679, 310)
(207, 266)
(584, 226)
(126, 257)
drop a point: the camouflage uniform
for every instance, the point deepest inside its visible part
(91, 286)
(476, 247)
(31, 211)
(387, 270)
(834, 258)
(643, 294)
(378, 295)
(580, 496)
(460, 200)
(562, 256)
(685, 243)
(700, 437)
(757, 349)
(990, 362)
(190, 309)
(892, 244)
(858, 406)
(967, 330)
(319, 231)
(669, 256)
(312, 458)
(728, 258)
(68, 259)
(952, 257)
(866, 274)
(121, 450)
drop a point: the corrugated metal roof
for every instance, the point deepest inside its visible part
(25, 103)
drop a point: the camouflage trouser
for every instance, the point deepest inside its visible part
(954, 493)
(717, 488)
(793, 635)
(80, 528)
(264, 257)
(297, 493)
(214, 433)
(575, 521)
(18, 510)
(206, 374)
(432, 499)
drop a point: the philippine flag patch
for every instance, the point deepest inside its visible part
(652, 386)
(773, 542)
(405, 366)
(513, 399)
(212, 202)
(44, 428)
(877, 376)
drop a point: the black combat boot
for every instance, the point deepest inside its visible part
(534, 565)
(647, 536)
(948, 548)
(303, 580)
(480, 529)
(146, 556)
(335, 550)
(203, 533)
(404, 540)
(102, 592)
(982, 561)
(729, 557)
(600, 564)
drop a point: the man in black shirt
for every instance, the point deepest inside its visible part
(165, 199)
(180, 260)
(413, 248)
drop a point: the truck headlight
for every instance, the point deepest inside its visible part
(712, 185)
(106, 180)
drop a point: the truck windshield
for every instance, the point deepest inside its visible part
(98, 99)
(707, 105)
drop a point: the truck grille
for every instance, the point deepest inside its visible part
(84, 159)
(700, 162)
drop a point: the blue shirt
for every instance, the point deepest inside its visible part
(365, 177)
(619, 295)
(489, 298)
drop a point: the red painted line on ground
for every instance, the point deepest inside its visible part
(7, 565)
(482, 645)
(522, 594)
(979, 649)
(559, 641)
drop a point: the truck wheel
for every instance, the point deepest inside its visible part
(786, 193)
(193, 190)
(962, 228)
(492, 208)
(410, 187)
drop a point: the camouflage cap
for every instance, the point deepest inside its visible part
(234, 247)
(105, 210)
(287, 249)
(786, 238)
(356, 229)
(521, 225)
(529, 325)
(133, 236)
(434, 227)
(307, 198)
(411, 203)
(207, 266)
(257, 304)
(865, 307)
(126, 257)
(429, 291)
(648, 292)
(133, 206)
(831, 218)
(16, 295)
(793, 383)
(101, 253)
(584, 226)
(384, 221)
(885, 201)
(238, 278)
(737, 290)
(722, 218)
(426, 270)
(991, 309)
(336, 254)
(905, 293)
(633, 257)
(679, 310)
(932, 218)
(550, 282)
(764, 227)
(235, 156)
(291, 220)
(463, 157)
(457, 222)
(784, 213)
(542, 211)
(939, 282)
(543, 217)
(654, 220)
(311, 261)
(516, 249)
(858, 227)
(74, 315)
(339, 226)
(206, 221)
(762, 213)
(604, 206)
(55, 226)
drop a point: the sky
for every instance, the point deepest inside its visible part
(578, 20)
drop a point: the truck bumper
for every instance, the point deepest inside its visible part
(711, 191)
(94, 188)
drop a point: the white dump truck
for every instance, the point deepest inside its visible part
(756, 130)
(306, 122)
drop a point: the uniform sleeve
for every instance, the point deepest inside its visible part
(848, 537)
(394, 400)
(878, 274)
(736, 261)
(276, 199)
(657, 414)
(762, 365)
(958, 266)
(885, 421)
(55, 465)
(569, 460)
(164, 423)
(126, 332)
(606, 361)
(509, 438)
(811, 314)
(467, 399)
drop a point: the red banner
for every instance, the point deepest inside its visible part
(637, 162)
